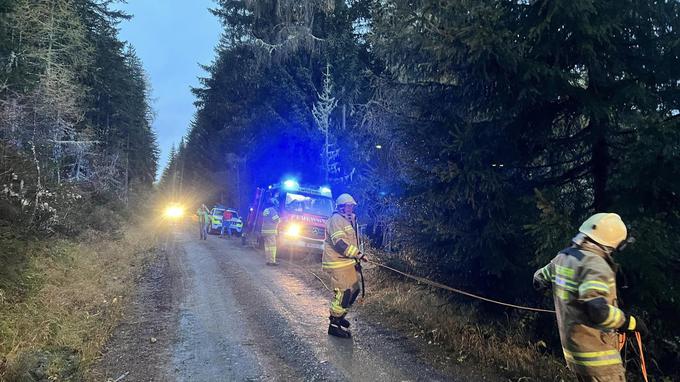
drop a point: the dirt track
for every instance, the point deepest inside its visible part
(216, 313)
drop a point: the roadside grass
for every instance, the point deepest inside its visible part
(466, 336)
(64, 299)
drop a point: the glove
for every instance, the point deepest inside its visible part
(632, 325)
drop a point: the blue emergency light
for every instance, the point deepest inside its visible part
(291, 184)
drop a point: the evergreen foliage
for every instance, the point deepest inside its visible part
(255, 106)
(484, 132)
(75, 122)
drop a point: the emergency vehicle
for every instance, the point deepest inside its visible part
(303, 211)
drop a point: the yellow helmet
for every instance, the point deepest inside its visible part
(605, 228)
(345, 199)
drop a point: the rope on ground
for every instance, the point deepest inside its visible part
(446, 287)
(307, 270)
(319, 278)
(436, 285)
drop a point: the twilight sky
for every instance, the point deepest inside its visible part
(171, 37)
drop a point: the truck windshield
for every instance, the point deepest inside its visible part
(311, 204)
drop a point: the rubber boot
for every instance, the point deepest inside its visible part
(337, 331)
(340, 321)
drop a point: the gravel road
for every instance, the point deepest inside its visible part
(212, 311)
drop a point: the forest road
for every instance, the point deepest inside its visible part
(212, 311)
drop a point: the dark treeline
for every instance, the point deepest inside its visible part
(75, 123)
(476, 135)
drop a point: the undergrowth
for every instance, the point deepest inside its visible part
(61, 298)
(462, 331)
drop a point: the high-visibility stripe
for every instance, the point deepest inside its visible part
(562, 294)
(348, 228)
(593, 285)
(338, 234)
(599, 358)
(610, 316)
(337, 264)
(614, 318)
(546, 273)
(351, 251)
(336, 304)
(275, 217)
(564, 271)
(602, 362)
(269, 231)
(618, 319)
(591, 354)
(566, 284)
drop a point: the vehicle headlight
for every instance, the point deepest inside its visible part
(293, 230)
(174, 212)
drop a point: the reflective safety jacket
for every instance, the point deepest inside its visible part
(341, 245)
(203, 216)
(584, 290)
(270, 221)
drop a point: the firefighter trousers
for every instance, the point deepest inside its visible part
(270, 248)
(346, 288)
(619, 377)
(202, 230)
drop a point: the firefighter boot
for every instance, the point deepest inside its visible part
(337, 331)
(340, 321)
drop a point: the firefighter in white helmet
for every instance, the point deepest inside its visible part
(583, 279)
(341, 257)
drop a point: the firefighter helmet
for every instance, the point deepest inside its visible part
(345, 199)
(606, 229)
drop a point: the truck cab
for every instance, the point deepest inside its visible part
(303, 210)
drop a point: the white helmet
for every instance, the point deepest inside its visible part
(606, 229)
(345, 199)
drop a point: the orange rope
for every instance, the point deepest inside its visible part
(643, 365)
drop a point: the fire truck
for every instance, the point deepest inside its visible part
(303, 211)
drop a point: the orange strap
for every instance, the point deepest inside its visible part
(638, 337)
(622, 340)
(642, 356)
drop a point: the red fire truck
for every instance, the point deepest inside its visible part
(303, 211)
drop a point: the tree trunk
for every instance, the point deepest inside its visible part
(600, 168)
(127, 170)
(325, 156)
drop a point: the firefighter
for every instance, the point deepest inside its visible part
(203, 221)
(270, 223)
(584, 290)
(341, 258)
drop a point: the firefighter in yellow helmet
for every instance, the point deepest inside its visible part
(341, 257)
(583, 279)
(270, 224)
